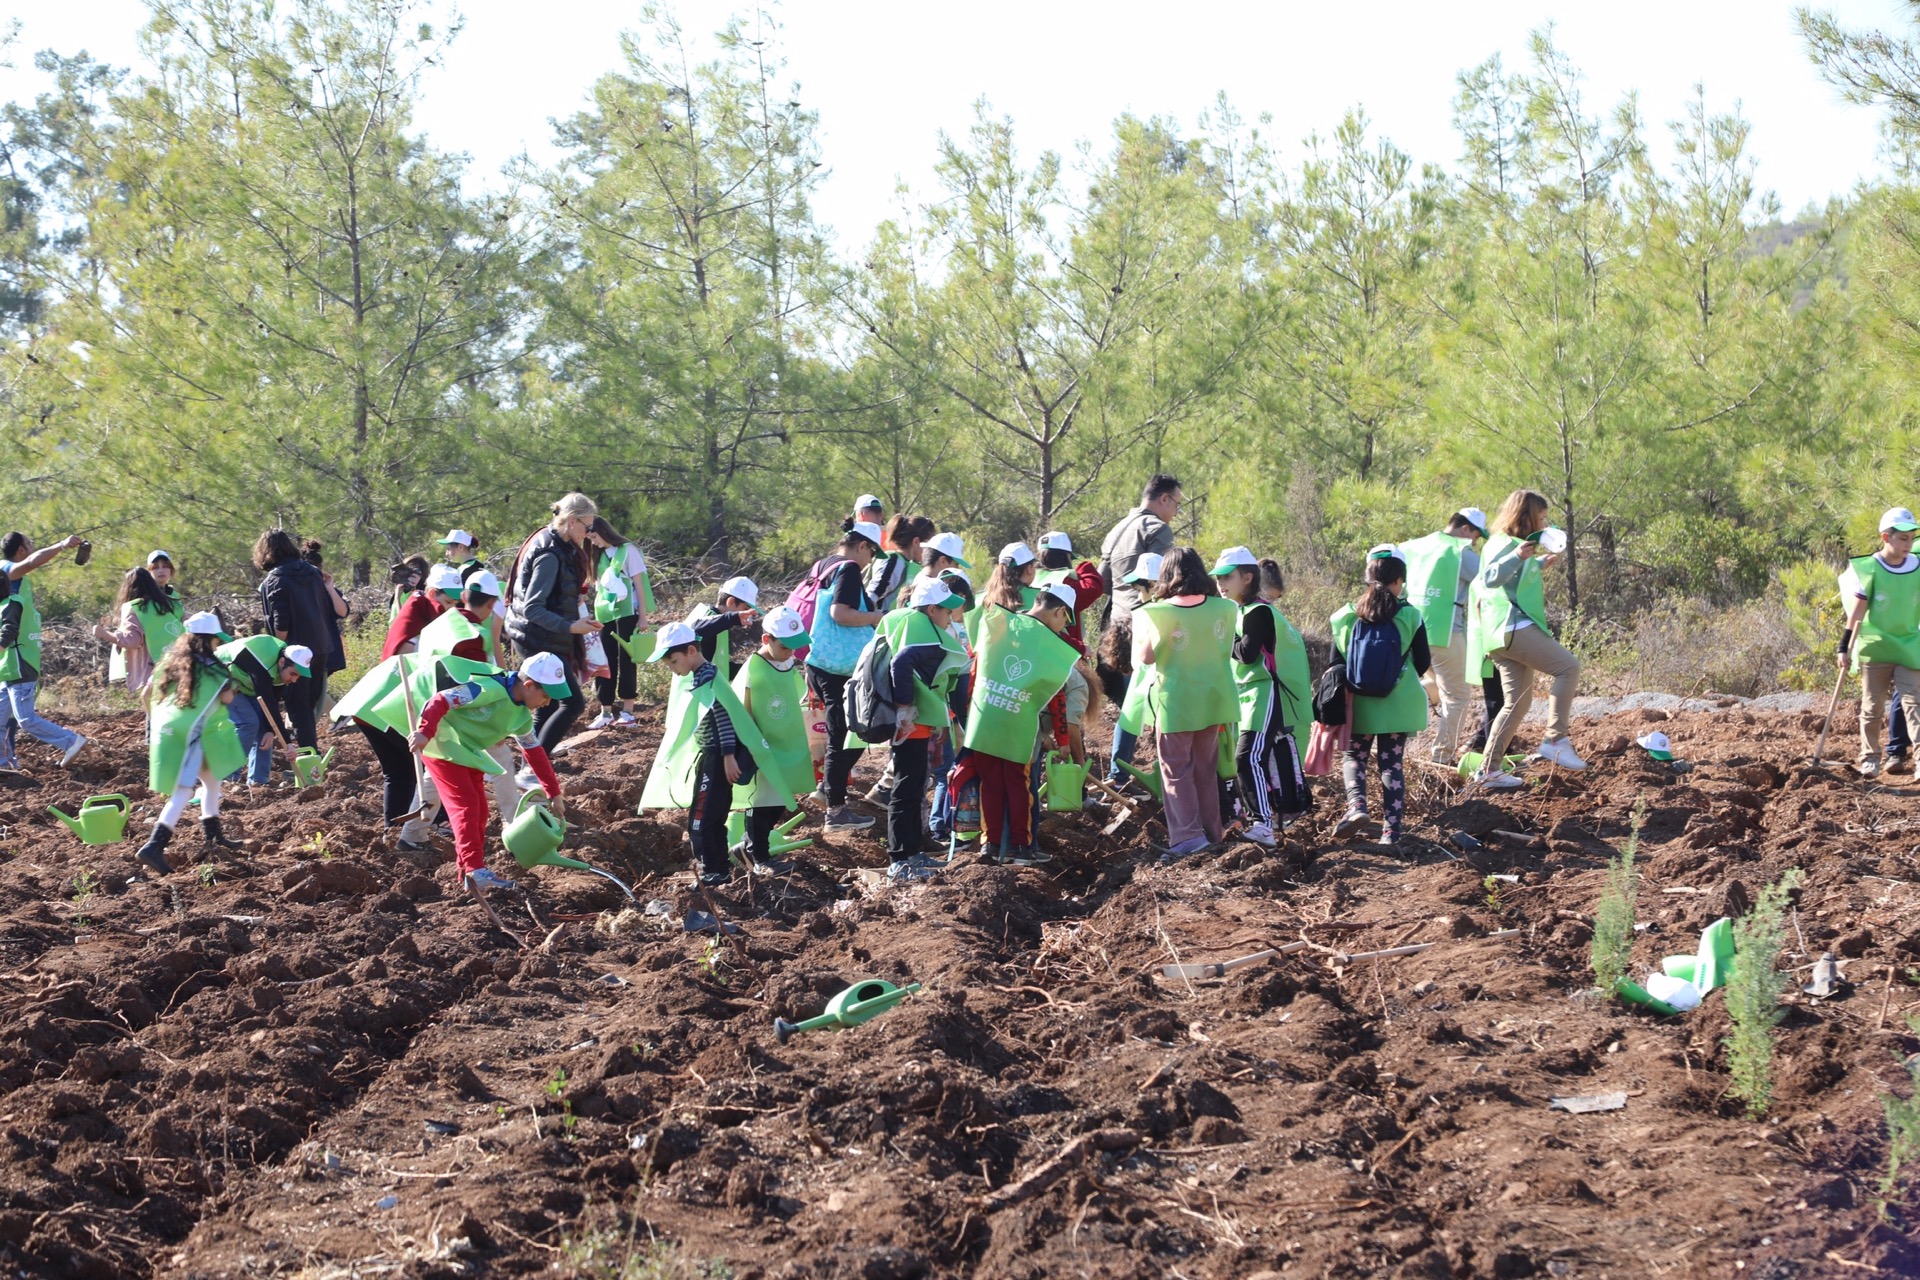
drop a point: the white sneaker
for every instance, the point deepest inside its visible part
(624, 719)
(1560, 751)
(1498, 780)
(79, 741)
(602, 720)
(1261, 834)
(1867, 768)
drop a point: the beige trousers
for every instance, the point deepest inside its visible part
(1531, 651)
(1449, 672)
(1878, 682)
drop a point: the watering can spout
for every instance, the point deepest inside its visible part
(71, 822)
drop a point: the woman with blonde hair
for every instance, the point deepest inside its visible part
(1510, 626)
(551, 577)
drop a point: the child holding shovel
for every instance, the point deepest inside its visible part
(191, 740)
(1882, 636)
(261, 667)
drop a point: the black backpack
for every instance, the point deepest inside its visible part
(871, 715)
(1330, 696)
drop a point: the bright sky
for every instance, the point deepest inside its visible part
(887, 77)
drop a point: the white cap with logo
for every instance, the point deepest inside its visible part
(459, 538)
(1234, 558)
(1062, 594)
(786, 626)
(742, 589)
(949, 545)
(444, 577)
(1475, 517)
(1898, 520)
(869, 502)
(868, 530)
(547, 671)
(931, 589)
(486, 583)
(1146, 568)
(204, 623)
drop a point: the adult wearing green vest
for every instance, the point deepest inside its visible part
(1188, 638)
(622, 602)
(1383, 638)
(1510, 617)
(926, 657)
(190, 739)
(773, 692)
(20, 651)
(1882, 636)
(1441, 568)
(260, 667)
(1020, 662)
(148, 621)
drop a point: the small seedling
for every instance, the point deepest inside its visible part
(1612, 943)
(318, 846)
(713, 960)
(85, 885)
(1753, 994)
(206, 875)
(556, 1089)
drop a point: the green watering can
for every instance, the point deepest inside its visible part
(310, 767)
(535, 835)
(1066, 784)
(780, 842)
(859, 1003)
(1148, 778)
(1470, 763)
(639, 647)
(101, 820)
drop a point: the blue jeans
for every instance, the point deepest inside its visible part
(16, 704)
(1123, 743)
(249, 723)
(940, 814)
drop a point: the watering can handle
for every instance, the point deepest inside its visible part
(110, 796)
(529, 795)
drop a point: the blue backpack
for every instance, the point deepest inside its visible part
(1374, 658)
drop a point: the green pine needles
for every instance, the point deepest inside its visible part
(1753, 993)
(1613, 918)
(1903, 1138)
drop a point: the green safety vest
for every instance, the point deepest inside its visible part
(452, 628)
(171, 728)
(683, 716)
(1433, 582)
(15, 661)
(384, 700)
(671, 782)
(266, 650)
(159, 628)
(776, 701)
(1193, 653)
(908, 627)
(1491, 607)
(1292, 672)
(1405, 709)
(1252, 682)
(972, 617)
(1019, 664)
(1890, 631)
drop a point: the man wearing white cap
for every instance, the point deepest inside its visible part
(1882, 636)
(259, 668)
(1441, 568)
(867, 508)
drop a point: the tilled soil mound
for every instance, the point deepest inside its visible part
(325, 1061)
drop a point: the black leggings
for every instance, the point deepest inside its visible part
(841, 754)
(301, 701)
(904, 832)
(551, 722)
(1494, 699)
(622, 680)
(399, 779)
(761, 820)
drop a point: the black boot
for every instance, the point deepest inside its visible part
(153, 854)
(215, 838)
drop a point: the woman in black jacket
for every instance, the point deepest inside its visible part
(545, 605)
(299, 610)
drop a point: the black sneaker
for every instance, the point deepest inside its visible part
(1026, 856)
(773, 867)
(714, 879)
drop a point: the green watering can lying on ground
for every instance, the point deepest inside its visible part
(101, 820)
(535, 835)
(860, 1002)
(1148, 778)
(1470, 763)
(310, 767)
(781, 841)
(1066, 784)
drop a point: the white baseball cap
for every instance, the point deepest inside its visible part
(949, 545)
(204, 623)
(868, 530)
(1475, 517)
(959, 573)
(547, 671)
(459, 538)
(1062, 594)
(1385, 551)
(1235, 558)
(485, 583)
(932, 589)
(1147, 567)
(1657, 745)
(742, 589)
(1016, 554)
(157, 554)
(786, 626)
(300, 656)
(1898, 519)
(866, 500)
(1056, 541)
(443, 577)
(672, 636)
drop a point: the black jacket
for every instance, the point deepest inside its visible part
(296, 601)
(546, 596)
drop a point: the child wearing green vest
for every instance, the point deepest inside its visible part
(1255, 677)
(20, 651)
(1882, 636)
(1293, 685)
(1124, 676)
(622, 601)
(1056, 565)
(843, 621)
(149, 620)
(1186, 634)
(190, 738)
(1382, 723)
(1441, 568)
(925, 658)
(260, 667)
(1510, 614)
(773, 691)
(457, 549)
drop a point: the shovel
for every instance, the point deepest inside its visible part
(1820, 747)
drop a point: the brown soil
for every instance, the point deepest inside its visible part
(328, 1063)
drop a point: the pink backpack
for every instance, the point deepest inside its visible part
(805, 598)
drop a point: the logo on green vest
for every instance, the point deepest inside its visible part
(1178, 637)
(776, 707)
(1016, 667)
(1220, 628)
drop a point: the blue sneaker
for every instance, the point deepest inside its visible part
(907, 872)
(486, 879)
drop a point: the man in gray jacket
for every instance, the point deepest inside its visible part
(1147, 529)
